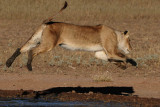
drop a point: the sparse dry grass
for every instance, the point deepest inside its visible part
(20, 18)
(104, 76)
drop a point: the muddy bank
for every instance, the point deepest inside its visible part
(80, 94)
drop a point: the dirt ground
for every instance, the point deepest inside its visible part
(142, 87)
(133, 82)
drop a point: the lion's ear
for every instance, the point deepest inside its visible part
(125, 32)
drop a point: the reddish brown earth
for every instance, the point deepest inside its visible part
(143, 87)
(137, 91)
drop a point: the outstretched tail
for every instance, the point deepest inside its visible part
(51, 18)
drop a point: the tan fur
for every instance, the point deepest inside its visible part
(106, 42)
(74, 37)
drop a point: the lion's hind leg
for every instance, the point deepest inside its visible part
(13, 57)
(31, 43)
(48, 42)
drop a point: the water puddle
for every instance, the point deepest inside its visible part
(41, 103)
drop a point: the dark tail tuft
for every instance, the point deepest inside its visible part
(65, 5)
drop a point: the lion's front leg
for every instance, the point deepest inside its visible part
(117, 58)
(131, 61)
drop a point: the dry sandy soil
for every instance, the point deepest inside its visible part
(142, 87)
(141, 81)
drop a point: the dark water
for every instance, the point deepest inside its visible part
(38, 103)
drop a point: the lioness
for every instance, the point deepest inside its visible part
(104, 41)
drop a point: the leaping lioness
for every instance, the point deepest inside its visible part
(104, 41)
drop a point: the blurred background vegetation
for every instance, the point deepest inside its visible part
(86, 9)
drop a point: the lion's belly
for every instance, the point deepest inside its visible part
(92, 47)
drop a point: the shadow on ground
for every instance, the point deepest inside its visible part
(103, 90)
